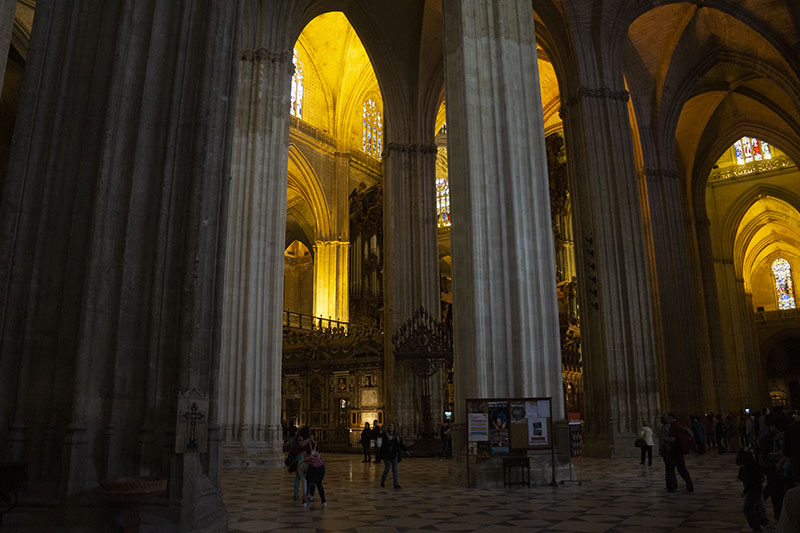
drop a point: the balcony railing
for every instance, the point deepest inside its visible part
(314, 323)
(785, 314)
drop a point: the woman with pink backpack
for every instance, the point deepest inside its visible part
(310, 466)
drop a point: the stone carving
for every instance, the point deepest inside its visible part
(191, 428)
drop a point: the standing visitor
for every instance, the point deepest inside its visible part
(366, 442)
(664, 452)
(304, 447)
(722, 442)
(315, 475)
(708, 427)
(646, 434)
(391, 446)
(447, 443)
(677, 439)
(750, 475)
(699, 435)
(377, 436)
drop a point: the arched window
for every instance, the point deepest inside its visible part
(297, 87)
(372, 129)
(749, 149)
(442, 202)
(783, 283)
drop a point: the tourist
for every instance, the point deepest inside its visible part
(708, 427)
(303, 448)
(750, 475)
(664, 452)
(699, 434)
(366, 442)
(646, 435)
(315, 475)
(732, 434)
(679, 444)
(770, 459)
(447, 442)
(377, 435)
(391, 446)
(722, 442)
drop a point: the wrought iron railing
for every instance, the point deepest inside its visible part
(311, 323)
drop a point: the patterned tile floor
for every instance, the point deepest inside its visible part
(616, 496)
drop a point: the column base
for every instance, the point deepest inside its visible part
(616, 445)
(255, 455)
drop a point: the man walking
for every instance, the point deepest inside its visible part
(674, 439)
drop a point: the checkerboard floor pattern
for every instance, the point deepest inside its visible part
(618, 495)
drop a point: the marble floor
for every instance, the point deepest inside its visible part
(616, 496)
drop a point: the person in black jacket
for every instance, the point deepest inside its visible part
(391, 446)
(366, 440)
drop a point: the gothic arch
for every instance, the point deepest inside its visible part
(304, 180)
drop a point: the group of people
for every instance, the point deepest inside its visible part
(388, 448)
(305, 460)
(767, 445)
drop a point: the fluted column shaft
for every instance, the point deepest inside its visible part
(412, 264)
(504, 300)
(723, 378)
(330, 280)
(252, 332)
(112, 223)
(620, 368)
(680, 326)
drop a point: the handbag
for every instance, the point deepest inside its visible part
(639, 443)
(289, 460)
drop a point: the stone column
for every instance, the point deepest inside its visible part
(504, 299)
(680, 324)
(620, 368)
(252, 331)
(713, 319)
(112, 225)
(7, 10)
(330, 280)
(411, 268)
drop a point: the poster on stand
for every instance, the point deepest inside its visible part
(498, 422)
(537, 432)
(478, 427)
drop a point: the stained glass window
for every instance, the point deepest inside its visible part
(749, 149)
(783, 283)
(372, 129)
(297, 87)
(442, 202)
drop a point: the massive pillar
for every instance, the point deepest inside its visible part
(683, 363)
(504, 300)
(620, 366)
(252, 334)
(412, 277)
(112, 227)
(716, 339)
(330, 280)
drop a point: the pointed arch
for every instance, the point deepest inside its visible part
(303, 179)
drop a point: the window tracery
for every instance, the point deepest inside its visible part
(782, 271)
(296, 108)
(372, 129)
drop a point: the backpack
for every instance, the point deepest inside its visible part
(686, 440)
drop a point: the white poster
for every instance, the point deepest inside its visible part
(537, 432)
(532, 410)
(544, 408)
(478, 427)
